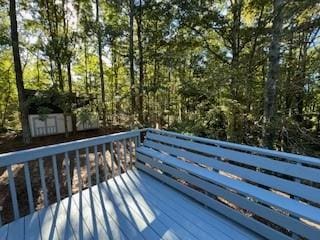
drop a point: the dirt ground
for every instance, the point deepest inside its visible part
(105, 170)
(12, 141)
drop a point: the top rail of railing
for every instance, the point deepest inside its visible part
(22, 156)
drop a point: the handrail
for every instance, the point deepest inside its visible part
(22, 156)
(58, 159)
(257, 150)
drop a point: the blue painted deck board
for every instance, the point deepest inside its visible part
(186, 207)
(131, 206)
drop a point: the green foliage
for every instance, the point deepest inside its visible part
(205, 64)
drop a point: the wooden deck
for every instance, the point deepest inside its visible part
(130, 206)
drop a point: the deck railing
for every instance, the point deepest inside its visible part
(36, 177)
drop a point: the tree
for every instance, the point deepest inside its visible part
(103, 96)
(270, 106)
(131, 57)
(19, 75)
(141, 65)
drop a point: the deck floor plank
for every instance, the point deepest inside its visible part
(32, 227)
(131, 206)
(185, 219)
(148, 185)
(47, 223)
(192, 232)
(16, 230)
(123, 212)
(94, 228)
(135, 218)
(64, 211)
(110, 226)
(143, 212)
(4, 232)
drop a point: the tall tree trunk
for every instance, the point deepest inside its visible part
(131, 56)
(86, 65)
(273, 76)
(141, 63)
(19, 76)
(73, 116)
(236, 128)
(103, 96)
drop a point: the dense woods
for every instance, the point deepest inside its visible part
(246, 71)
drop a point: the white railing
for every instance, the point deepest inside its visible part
(50, 173)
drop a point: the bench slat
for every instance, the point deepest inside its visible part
(244, 158)
(290, 205)
(236, 146)
(291, 187)
(267, 213)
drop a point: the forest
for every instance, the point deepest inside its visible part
(246, 71)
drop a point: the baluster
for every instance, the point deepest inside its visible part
(43, 182)
(96, 162)
(78, 170)
(139, 140)
(13, 192)
(28, 185)
(131, 152)
(112, 159)
(125, 154)
(88, 167)
(67, 161)
(56, 177)
(104, 161)
(118, 157)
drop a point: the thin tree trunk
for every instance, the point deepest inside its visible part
(273, 76)
(141, 63)
(73, 116)
(19, 76)
(131, 56)
(86, 66)
(103, 96)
